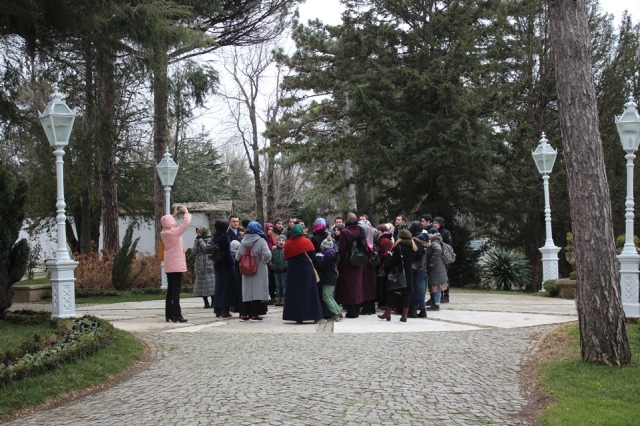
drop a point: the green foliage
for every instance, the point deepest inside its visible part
(585, 393)
(14, 256)
(622, 238)
(465, 271)
(121, 277)
(124, 351)
(506, 269)
(73, 340)
(551, 287)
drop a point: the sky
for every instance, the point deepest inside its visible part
(328, 11)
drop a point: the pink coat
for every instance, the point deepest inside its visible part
(174, 259)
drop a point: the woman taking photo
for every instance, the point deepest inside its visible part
(175, 262)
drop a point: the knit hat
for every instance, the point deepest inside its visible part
(404, 234)
(234, 245)
(281, 237)
(327, 244)
(439, 220)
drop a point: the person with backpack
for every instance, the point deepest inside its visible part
(438, 280)
(302, 302)
(204, 283)
(349, 290)
(252, 256)
(384, 245)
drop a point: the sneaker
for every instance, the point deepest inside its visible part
(334, 318)
(256, 319)
(244, 318)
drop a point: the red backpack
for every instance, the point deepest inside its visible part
(247, 264)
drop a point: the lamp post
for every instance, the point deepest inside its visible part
(167, 171)
(545, 156)
(57, 121)
(628, 125)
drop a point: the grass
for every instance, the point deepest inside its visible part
(33, 282)
(588, 394)
(122, 298)
(14, 335)
(125, 351)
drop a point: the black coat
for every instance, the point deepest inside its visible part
(400, 259)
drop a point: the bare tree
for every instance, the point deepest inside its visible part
(603, 333)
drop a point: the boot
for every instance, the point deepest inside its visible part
(206, 303)
(412, 312)
(405, 312)
(433, 307)
(445, 299)
(386, 315)
(422, 313)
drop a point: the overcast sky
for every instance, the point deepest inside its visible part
(328, 11)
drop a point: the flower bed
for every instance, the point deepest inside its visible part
(74, 339)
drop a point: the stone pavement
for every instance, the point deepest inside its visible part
(458, 367)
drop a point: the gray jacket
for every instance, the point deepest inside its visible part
(437, 268)
(255, 287)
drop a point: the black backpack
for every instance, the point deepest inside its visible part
(357, 256)
(213, 249)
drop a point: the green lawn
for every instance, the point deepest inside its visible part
(14, 335)
(589, 394)
(125, 351)
(32, 282)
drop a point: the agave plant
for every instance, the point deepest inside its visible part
(505, 269)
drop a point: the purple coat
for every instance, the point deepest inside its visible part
(349, 290)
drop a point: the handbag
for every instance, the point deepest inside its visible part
(397, 280)
(314, 269)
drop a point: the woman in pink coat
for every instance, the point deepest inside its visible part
(175, 262)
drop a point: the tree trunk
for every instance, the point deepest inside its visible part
(348, 169)
(109, 193)
(253, 115)
(160, 130)
(603, 333)
(271, 188)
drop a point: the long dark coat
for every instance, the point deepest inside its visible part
(225, 277)
(394, 262)
(302, 302)
(349, 290)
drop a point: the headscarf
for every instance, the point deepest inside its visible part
(318, 226)
(267, 226)
(296, 231)
(255, 228)
(221, 226)
(168, 221)
(415, 228)
(204, 231)
(321, 219)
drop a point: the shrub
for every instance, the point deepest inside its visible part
(74, 339)
(14, 254)
(506, 269)
(35, 251)
(551, 287)
(121, 276)
(94, 271)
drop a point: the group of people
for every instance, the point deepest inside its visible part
(313, 275)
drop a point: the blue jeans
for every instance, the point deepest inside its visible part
(281, 284)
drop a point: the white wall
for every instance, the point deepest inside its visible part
(144, 230)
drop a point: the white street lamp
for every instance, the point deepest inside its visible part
(544, 157)
(167, 171)
(57, 121)
(628, 125)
